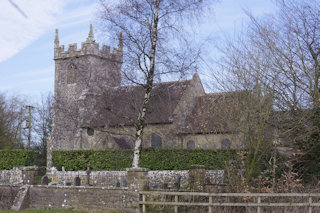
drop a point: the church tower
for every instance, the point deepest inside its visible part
(79, 72)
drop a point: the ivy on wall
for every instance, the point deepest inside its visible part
(154, 159)
(14, 158)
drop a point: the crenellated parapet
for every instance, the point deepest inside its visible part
(89, 47)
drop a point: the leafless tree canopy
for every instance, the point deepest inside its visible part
(156, 43)
(153, 31)
(10, 118)
(280, 55)
(13, 113)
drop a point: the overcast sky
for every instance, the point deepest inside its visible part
(28, 27)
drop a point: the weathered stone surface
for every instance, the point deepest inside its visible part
(83, 198)
(21, 201)
(97, 178)
(76, 72)
(19, 175)
(197, 177)
(138, 178)
(7, 196)
(156, 179)
(13, 176)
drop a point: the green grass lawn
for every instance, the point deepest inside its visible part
(49, 211)
(43, 211)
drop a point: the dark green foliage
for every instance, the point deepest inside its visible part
(14, 158)
(154, 159)
(181, 159)
(95, 159)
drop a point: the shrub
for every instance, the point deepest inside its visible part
(154, 159)
(14, 158)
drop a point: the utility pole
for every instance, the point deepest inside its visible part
(29, 125)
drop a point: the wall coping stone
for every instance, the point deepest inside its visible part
(139, 169)
(80, 187)
(195, 166)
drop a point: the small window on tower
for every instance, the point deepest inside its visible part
(72, 74)
(90, 131)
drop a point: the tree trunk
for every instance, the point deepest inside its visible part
(148, 89)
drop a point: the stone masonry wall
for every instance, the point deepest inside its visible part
(167, 179)
(7, 195)
(83, 198)
(180, 179)
(19, 175)
(106, 195)
(96, 178)
(13, 176)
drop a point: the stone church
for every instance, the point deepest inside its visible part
(92, 110)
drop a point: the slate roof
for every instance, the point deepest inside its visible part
(119, 106)
(212, 113)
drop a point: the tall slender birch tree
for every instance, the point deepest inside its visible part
(156, 42)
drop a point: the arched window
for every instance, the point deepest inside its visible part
(190, 144)
(90, 131)
(156, 141)
(225, 144)
(72, 74)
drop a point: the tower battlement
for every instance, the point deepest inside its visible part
(89, 47)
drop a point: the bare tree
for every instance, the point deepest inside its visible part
(42, 126)
(10, 121)
(281, 54)
(156, 45)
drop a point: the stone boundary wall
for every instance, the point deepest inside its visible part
(83, 198)
(19, 175)
(173, 179)
(103, 198)
(166, 179)
(13, 176)
(72, 197)
(7, 195)
(96, 178)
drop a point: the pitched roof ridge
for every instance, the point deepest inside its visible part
(170, 82)
(155, 85)
(224, 93)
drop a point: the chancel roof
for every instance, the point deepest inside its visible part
(212, 113)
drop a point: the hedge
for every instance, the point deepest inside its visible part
(154, 159)
(16, 157)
